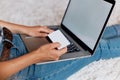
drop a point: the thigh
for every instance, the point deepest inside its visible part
(111, 31)
(1, 46)
(56, 71)
(114, 47)
(18, 48)
(107, 48)
(63, 69)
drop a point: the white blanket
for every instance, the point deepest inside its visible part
(49, 12)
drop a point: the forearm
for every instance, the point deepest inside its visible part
(15, 28)
(11, 67)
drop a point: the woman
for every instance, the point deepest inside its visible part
(22, 64)
(44, 53)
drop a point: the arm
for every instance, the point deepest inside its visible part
(8, 68)
(15, 28)
(35, 31)
(44, 53)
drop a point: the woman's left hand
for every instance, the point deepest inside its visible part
(37, 31)
(34, 31)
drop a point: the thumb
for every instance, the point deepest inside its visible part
(62, 51)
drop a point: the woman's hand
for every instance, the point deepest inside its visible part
(37, 31)
(34, 31)
(44, 53)
(49, 52)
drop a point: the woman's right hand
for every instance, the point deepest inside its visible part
(44, 53)
(49, 52)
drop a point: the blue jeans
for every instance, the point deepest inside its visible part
(109, 47)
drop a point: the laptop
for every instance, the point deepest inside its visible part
(83, 24)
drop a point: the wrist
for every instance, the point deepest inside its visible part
(35, 57)
(39, 56)
(23, 30)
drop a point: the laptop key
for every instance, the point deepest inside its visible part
(55, 28)
(72, 48)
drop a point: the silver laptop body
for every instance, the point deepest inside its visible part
(83, 24)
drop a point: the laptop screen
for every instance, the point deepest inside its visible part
(86, 19)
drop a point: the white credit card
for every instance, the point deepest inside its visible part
(58, 36)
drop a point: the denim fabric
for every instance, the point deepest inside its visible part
(109, 47)
(111, 32)
(1, 46)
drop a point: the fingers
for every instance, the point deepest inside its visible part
(54, 45)
(42, 34)
(62, 51)
(59, 52)
(40, 31)
(50, 53)
(45, 30)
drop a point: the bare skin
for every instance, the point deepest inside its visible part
(44, 53)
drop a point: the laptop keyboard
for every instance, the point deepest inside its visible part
(72, 47)
(55, 28)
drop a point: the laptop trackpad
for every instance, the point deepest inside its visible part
(33, 43)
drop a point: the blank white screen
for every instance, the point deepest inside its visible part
(85, 18)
